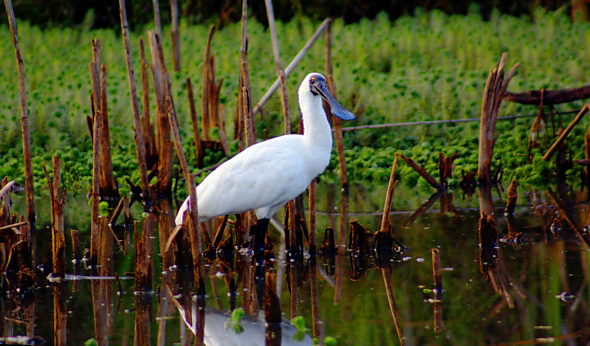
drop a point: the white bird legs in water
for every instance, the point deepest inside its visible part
(268, 174)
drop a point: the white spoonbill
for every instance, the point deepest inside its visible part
(265, 176)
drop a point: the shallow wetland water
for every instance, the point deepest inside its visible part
(526, 283)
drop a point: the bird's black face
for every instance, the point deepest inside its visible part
(319, 86)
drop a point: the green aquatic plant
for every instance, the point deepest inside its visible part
(299, 323)
(235, 321)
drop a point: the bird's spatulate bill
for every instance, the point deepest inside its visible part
(337, 109)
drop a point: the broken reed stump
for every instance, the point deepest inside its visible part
(512, 195)
(57, 198)
(494, 91)
(25, 132)
(206, 86)
(106, 180)
(385, 225)
(139, 130)
(423, 173)
(445, 168)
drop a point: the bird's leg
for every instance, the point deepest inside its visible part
(259, 237)
(259, 245)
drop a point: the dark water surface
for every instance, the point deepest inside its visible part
(527, 283)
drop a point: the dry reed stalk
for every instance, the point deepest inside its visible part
(6, 188)
(549, 97)
(25, 132)
(194, 121)
(195, 239)
(149, 137)
(96, 130)
(386, 273)
(175, 35)
(385, 225)
(162, 88)
(222, 133)
(292, 65)
(139, 130)
(108, 185)
(494, 92)
(586, 157)
(157, 20)
(566, 132)
(335, 120)
(248, 115)
(437, 275)
(205, 87)
(423, 173)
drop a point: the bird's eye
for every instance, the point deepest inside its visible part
(312, 80)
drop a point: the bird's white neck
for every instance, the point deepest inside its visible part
(316, 129)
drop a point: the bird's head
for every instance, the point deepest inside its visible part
(315, 86)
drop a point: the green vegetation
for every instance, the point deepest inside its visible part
(428, 66)
(235, 321)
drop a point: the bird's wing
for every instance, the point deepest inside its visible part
(267, 174)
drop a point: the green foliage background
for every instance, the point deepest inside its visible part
(427, 66)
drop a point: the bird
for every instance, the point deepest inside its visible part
(268, 174)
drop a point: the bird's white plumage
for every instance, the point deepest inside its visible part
(268, 174)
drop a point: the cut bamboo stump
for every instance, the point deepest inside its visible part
(492, 99)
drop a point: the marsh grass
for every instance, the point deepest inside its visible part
(423, 67)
